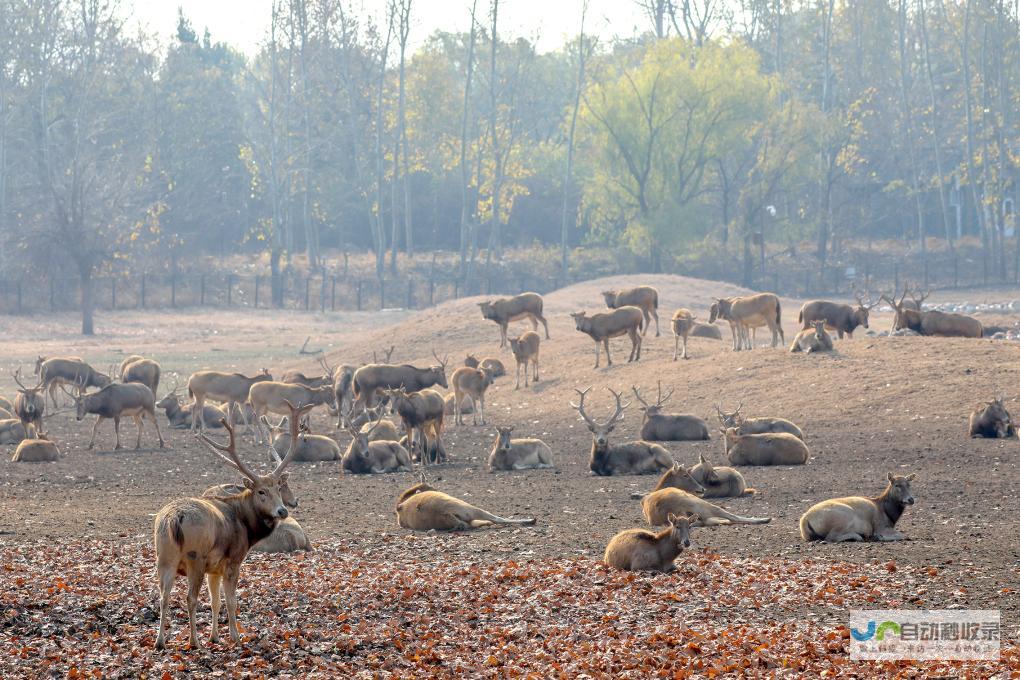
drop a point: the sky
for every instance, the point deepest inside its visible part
(243, 23)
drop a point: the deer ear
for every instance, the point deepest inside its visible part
(892, 477)
(701, 459)
(911, 476)
(693, 519)
(672, 519)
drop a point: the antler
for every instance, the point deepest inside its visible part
(295, 424)
(17, 379)
(918, 300)
(442, 362)
(580, 406)
(618, 412)
(326, 367)
(661, 399)
(644, 404)
(230, 449)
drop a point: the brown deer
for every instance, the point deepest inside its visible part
(422, 415)
(858, 518)
(422, 508)
(311, 448)
(62, 372)
(371, 379)
(269, 396)
(525, 350)
(494, 366)
(642, 550)
(721, 481)
(813, 340)
(343, 382)
(677, 477)
(518, 454)
(644, 298)
(365, 456)
(659, 505)
(7, 404)
(450, 407)
(470, 383)
(115, 402)
(141, 370)
(199, 536)
(12, 431)
(933, 322)
(837, 317)
(288, 536)
(29, 403)
(683, 324)
(659, 426)
(602, 327)
(777, 448)
(296, 377)
(758, 425)
(179, 414)
(231, 388)
(744, 313)
(706, 330)
(36, 448)
(633, 458)
(992, 420)
(505, 310)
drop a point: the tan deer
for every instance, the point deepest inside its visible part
(525, 350)
(492, 365)
(602, 327)
(470, 384)
(231, 388)
(632, 458)
(296, 377)
(745, 313)
(659, 426)
(720, 481)
(523, 306)
(36, 448)
(69, 372)
(288, 536)
(777, 448)
(12, 431)
(659, 505)
(178, 414)
(814, 339)
(422, 414)
(199, 536)
(141, 370)
(644, 298)
(677, 477)
(372, 379)
(642, 550)
(115, 402)
(518, 454)
(683, 324)
(423, 508)
(933, 322)
(858, 518)
(365, 456)
(7, 404)
(311, 448)
(269, 396)
(343, 386)
(29, 403)
(757, 425)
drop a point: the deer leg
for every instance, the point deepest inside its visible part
(197, 406)
(214, 602)
(676, 346)
(92, 442)
(138, 422)
(545, 324)
(517, 376)
(166, 586)
(655, 313)
(230, 590)
(116, 430)
(685, 348)
(502, 335)
(244, 417)
(648, 321)
(479, 406)
(596, 354)
(155, 424)
(195, 578)
(534, 322)
(534, 363)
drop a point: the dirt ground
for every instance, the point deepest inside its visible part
(873, 406)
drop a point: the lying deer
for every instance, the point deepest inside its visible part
(814, 339)
(12, 431)
(518, 454)
(644, 298)
(659, 505)
(199, 536)
(659, 426)
(633, 458)
(757, 425)
(641, 550)
(523, 306)
(777, 448)
(470, 384)
(492, 365)
(525, 351)
(115, 402)
(992, 420)
(179, 414)
(365, 456)
(311, 448)
(36, 448)
(933, 322)
(677, 477)
(857, 518)
(423, 508)
(602, 327)
(721, 481)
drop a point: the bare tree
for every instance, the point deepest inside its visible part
(583, 49)
(936, 140)
(465, 215)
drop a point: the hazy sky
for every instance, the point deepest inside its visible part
(243, 23)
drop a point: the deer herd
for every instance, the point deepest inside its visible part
(210, 535)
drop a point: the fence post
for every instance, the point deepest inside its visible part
(382, 293)
(142, 296)
(925, 263)
(201, 290)
(322, 293)
(52, 293)
(173, 289)
(332, 294)
(113, 293)
(432, 291)
(258, 282)
(308, 287)
(359, 295)
(410, 293)
(956, 272)
(456, 289)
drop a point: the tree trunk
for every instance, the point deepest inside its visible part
(88, 302)
(748, 262)
(971, 179)
(276, 277)
(935, 125)
(464, 212)
(568, 170)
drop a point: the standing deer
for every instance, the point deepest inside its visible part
(644, 298)
(837, 317)
(296, 377)
(470, 383)
(269, 396)
(525, 350)
(683, 324)
(30, 403)
(745, 313)
(116, 401)
(199, 536)
(61, 372)
(231, 388)
(136, 369)
(633, 458)
(659, 426)
(422, 414)
(523, 306)
(371, 379)
(601, 327)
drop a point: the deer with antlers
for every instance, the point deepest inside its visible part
(296, 377)
(632, 458)
(371, 379)
(212, 535)
(843, 319)
(30, 403)
(756, 425)
(932, 322)
(373, 456)
(659, 426)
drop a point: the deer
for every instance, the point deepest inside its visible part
(6, 404)
(659, 505)
(343, 381)
(705, 330)
(116, 401)
(311, 448)
(682, 324)
(642, 550)
(659, 426)
(677, 477)
(632, 458)
(296, 377)
(29, 403)
(231, 388)
(212, 535)
(371, 379)
(776, 448)
(288, 536)
(61, 372)
(644, 298)
(494, 366)
(525, 350)
(933, 322)
(12, 431)
(365, 456)
(518, 454)
(843, 319)
(179, 414)
(141, 370)
(269, 396)
(470, 383)
(814, 339)
(450, 407)
(36, 448)
(5, 414)
(422, 508)
(991, 420)
(917, 298)
(748, 312)
(505, 310)
(601, 327)
(421, 412)
(721, 481)
(758, 425)
(859, 518)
